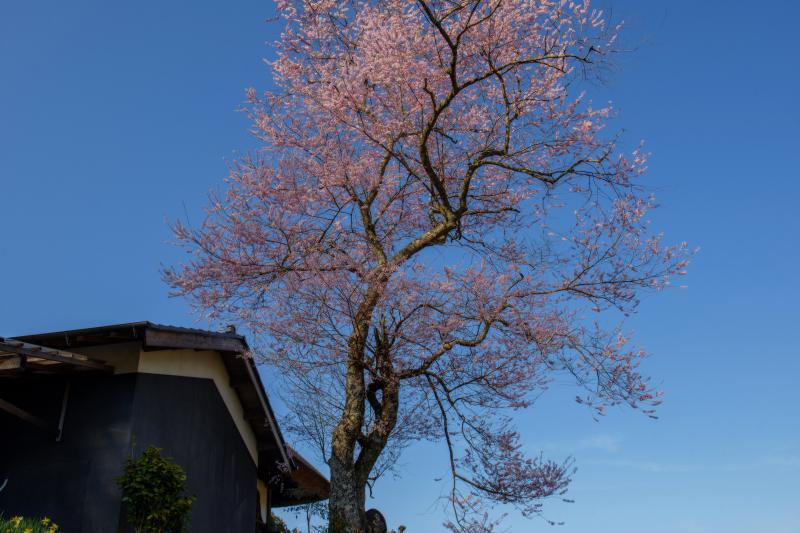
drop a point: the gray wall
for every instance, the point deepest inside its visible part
(74, 481)
(188, 419)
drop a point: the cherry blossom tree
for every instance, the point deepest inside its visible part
(436, 226)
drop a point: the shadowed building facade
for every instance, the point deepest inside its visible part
(75, 404)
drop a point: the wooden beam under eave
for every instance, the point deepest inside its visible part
(256, 416)
(155, 339)
(267, 446)
(52, 355)
(11, 363)
(22, 414)
(237, 382)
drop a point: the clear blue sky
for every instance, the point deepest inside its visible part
(117, 117)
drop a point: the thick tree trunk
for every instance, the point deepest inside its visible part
(349, 475)
(347, 500)
(346, 503)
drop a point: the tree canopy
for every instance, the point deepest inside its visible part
(431, 232)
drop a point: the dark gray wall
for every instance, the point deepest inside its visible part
(187, 418)
(74, 481)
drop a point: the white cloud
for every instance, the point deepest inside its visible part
(649, 466)
(601, 441)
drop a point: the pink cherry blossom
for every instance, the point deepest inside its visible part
(427, 235)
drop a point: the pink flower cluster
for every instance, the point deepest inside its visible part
(435, 208)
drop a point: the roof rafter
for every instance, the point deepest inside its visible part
(17, 353)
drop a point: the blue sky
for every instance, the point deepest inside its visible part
(118, 117)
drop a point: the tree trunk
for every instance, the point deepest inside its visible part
(347, 500)
(346, 503)
(349, 475)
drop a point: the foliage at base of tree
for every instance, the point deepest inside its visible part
(153, 492)
(277, 525)
(19, 524)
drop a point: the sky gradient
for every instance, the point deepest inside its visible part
(117, 118)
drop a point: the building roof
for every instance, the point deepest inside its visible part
(129, 331)
(307, 483)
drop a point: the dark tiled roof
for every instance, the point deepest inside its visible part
(123, 332)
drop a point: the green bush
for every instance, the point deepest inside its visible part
(153, 488)
(18, 524)
(275, 524)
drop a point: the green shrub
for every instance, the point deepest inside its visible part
(275, 524)
(18, 524)
(153, 488)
